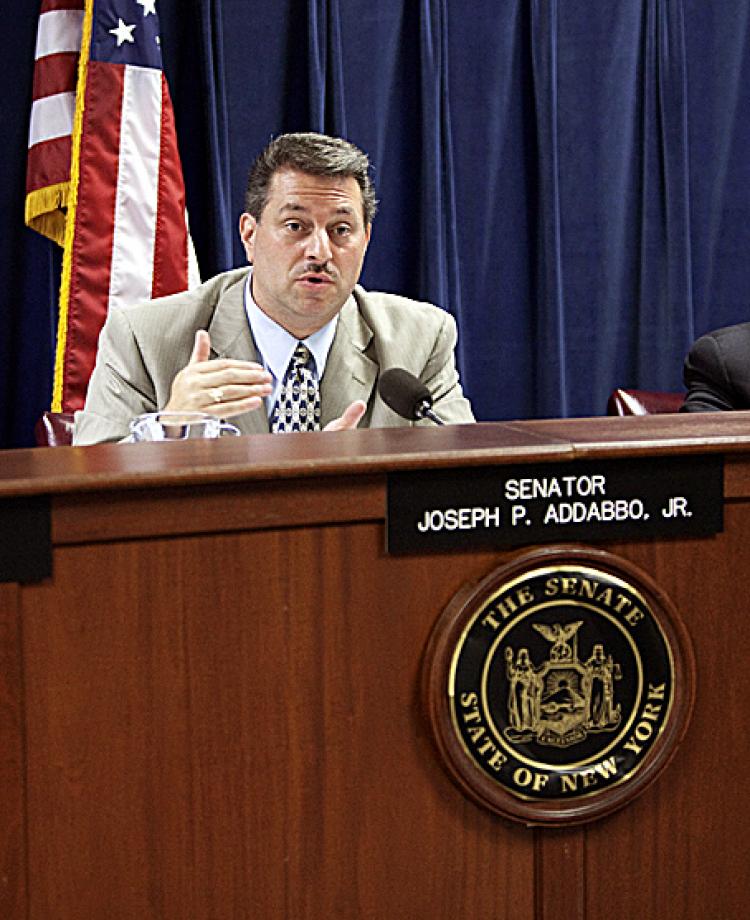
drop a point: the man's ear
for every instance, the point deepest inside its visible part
(247, 234)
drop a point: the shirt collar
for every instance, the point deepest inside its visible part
(276, 345)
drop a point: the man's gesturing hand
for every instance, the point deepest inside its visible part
(223, 387)
(350, 419)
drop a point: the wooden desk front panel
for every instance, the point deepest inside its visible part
(681, 850)
(228, 726)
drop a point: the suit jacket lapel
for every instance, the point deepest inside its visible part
(231, 338)
(349, 373)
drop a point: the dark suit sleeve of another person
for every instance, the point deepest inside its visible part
(717, 371)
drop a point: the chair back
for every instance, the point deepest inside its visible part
(643, 402)
(54, 429)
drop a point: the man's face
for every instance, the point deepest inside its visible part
(307, 249)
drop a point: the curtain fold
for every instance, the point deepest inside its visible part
(665, 255)
(317, 12)
(551, 383)
(439, 277)
(217, 173)
(198, 74)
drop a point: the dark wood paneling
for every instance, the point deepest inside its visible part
(560, 874)
(681, 849)
(212, 509)
(231, 726)
(12, 793)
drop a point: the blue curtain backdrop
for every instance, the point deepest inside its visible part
(570, 179)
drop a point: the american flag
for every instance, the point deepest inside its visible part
(104, 177)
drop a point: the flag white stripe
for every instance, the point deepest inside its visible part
(59, 31)
(137, 187)
(51, 116)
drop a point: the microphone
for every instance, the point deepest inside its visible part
(406, 395)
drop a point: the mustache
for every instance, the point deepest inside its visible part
(317, 268)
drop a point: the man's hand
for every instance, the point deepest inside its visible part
(223, 387)
(350, 419)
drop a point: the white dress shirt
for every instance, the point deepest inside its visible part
(276, 346)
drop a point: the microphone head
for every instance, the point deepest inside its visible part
(404, 393)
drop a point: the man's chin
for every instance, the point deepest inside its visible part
(317, 296)
(311, 314)
(327, 299)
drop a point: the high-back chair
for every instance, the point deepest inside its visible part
(54, 429)
(643, 402)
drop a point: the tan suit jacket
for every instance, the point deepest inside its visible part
(143, 347)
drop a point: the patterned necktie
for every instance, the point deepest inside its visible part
(298, 405)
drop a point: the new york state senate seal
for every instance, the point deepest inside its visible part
(560, 686)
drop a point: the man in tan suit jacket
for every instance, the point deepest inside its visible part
(309, 208)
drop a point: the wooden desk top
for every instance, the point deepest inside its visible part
(108, 467)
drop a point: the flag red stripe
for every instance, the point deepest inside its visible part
(94, 227)
(171, 254)
(55, 73)
(49, 5)
(48, 163)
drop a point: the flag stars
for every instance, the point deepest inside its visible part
(123, 33)
(149, 6)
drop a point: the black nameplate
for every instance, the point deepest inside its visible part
(638, 498)
(25, 539)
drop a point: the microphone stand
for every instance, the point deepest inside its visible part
(424, 410)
